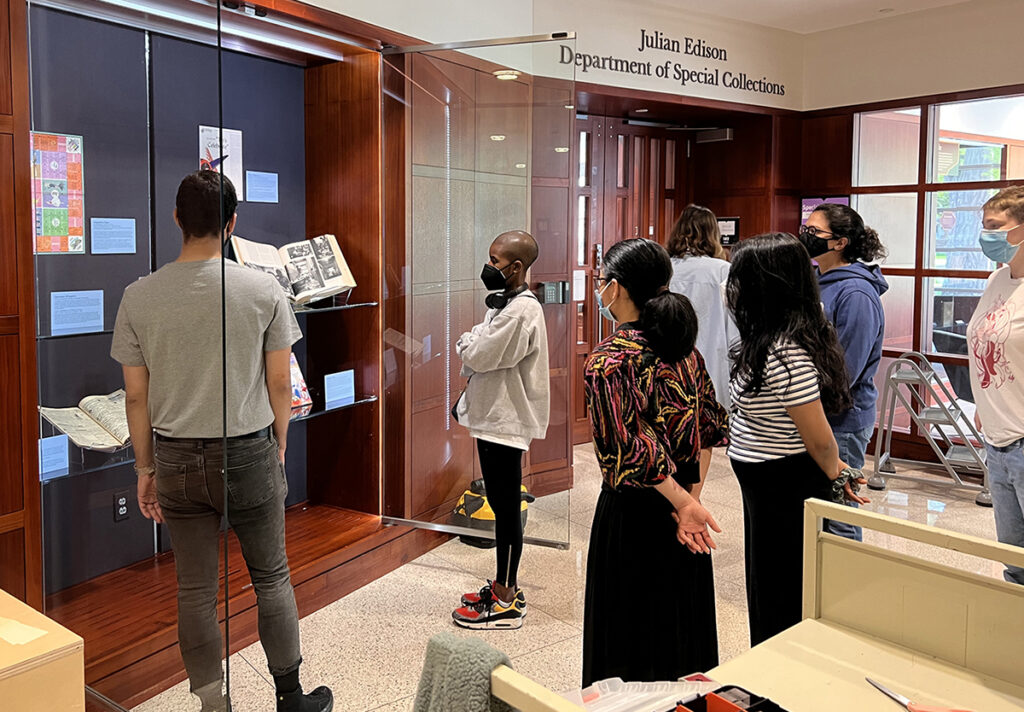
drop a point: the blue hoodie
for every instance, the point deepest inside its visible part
(851, 295)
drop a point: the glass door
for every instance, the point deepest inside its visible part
(483, 132)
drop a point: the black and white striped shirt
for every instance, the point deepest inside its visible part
(761, 429)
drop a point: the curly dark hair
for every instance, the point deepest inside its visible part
(696, 233)
(772, 291)
(863, 244)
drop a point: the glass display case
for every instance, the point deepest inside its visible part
(413, 160)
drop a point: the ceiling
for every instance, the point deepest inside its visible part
(803, 16)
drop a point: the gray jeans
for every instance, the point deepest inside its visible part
(190, 489)
(1006, 482)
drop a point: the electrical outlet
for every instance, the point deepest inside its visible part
(121, 500)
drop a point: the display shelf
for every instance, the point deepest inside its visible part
(303, 310)
(51, 337)
(91, 461)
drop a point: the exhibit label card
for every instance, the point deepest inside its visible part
(112, 236)
(340, 388)
(222, 150)
(76, 312)
(261, 187)
(53, 456)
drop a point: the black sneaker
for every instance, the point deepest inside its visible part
(491, 614)
(319, 700)
(486, 593)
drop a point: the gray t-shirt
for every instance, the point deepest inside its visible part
(170, 322)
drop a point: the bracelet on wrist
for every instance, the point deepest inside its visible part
(145, 470)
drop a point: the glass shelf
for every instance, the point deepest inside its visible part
(71, 336)
(307, 309)
(84, 462)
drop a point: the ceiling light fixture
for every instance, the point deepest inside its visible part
(640, 111)
(561, 149)
(569, 106)
(506, 74)
(520, 165)
(498, 137)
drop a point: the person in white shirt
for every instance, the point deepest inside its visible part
(505, 405)
(699, 272)
(995, 340)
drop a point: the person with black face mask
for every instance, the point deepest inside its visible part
(851, 289)
(505, 406)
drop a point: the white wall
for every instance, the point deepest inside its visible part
(972, 45)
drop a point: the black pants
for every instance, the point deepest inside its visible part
(502, 468)
(773, 524)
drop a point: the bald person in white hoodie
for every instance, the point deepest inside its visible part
(505, 406)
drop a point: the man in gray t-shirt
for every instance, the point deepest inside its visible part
(169, 339)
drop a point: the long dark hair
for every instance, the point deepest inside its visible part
(773, 294)
(696, 233)
(863, 243)
(667, 320)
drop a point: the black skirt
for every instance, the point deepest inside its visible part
(650, 603)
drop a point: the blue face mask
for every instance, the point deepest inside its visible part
(605, 311)
(996, 246)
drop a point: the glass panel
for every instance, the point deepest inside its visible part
(621, 162)
(901, 418)
(583, 178)
(582, 221)
(949, 303)
(979, 140)
(953, 225)
(898, 305)
(894, 217)
(482, 129)
(886, 145)
(652, 189)
(670, 164)
(670, 216)
(637, 177)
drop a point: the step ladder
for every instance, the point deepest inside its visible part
(911, 382)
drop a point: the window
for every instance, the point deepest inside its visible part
(927, 210)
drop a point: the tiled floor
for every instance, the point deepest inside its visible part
(369, 646)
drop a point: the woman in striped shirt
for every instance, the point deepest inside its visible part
(787, 373)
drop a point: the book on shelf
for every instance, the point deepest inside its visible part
(300, 392)
(307, 270)
(98, 423)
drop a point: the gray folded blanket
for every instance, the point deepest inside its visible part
(457, 676)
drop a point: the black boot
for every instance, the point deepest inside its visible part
(319, 700)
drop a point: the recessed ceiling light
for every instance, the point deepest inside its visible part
(569, 106)
(640, 111)
(561, 149)
(520, 165)
(498, 137)
(506, 74)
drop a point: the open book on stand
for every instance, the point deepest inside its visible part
(306, 270)
(98, 423)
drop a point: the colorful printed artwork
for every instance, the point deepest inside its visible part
(58, 194)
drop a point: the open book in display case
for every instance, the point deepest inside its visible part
(337, 126)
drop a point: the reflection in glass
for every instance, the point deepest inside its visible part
(949, 303)
(898, 305)
(979, 140)
(953, 224)
(894, 217)
(582, 221)
(670, 164)
(583, 179)
(886, 145)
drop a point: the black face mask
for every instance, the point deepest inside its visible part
(817, 246)
(493, 278)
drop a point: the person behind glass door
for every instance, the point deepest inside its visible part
(787, 373)
(851, 290)
(995, 337)
(168, 339)
(650, 592)
(505, 406)
(699, 272)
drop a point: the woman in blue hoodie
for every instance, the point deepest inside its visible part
(851, 291)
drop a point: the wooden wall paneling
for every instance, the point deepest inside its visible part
(787, 152)
(6, 69)
(12, 562)
(343, 189)
(827, 154)
(8, 229)
(12, 487)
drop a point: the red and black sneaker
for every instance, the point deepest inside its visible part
(487, 593)
(491, 614)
